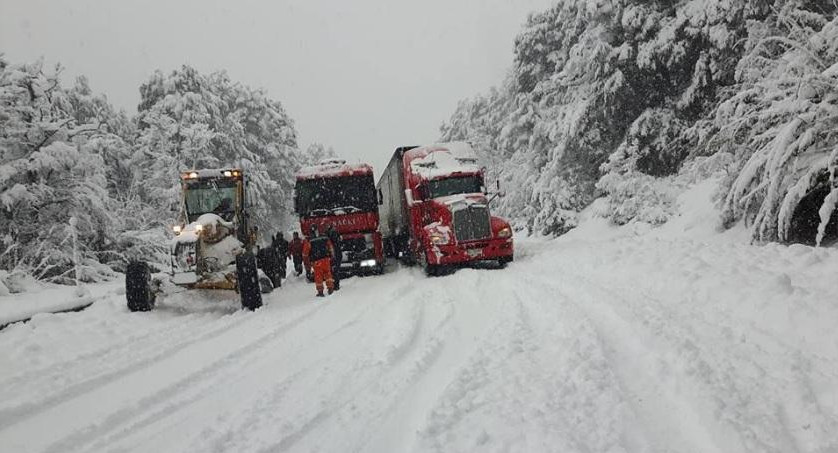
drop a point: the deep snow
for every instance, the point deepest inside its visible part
(676, 339)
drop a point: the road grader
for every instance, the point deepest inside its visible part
(214, 245)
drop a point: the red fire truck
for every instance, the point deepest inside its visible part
(343, 195)
(435, 209)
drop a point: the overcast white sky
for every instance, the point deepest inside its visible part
(363, 76)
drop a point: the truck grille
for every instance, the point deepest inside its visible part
(356, 249)
(472, 223)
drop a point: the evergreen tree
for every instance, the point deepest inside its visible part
(188, 120)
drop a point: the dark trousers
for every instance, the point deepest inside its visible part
(336, 268)
(298, 264)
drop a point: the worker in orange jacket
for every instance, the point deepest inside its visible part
(317, 254)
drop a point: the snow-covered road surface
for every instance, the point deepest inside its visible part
(626, 343)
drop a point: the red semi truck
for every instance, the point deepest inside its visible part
(343, 195)
(434, 209)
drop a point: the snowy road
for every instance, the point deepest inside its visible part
(625, 344)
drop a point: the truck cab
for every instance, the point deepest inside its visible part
(334, 193)
(436, 208)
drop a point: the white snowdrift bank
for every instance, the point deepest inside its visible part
(51, 298)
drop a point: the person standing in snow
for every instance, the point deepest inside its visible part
(295, 251)
(334, 237)
(317, 254)
(280, 246)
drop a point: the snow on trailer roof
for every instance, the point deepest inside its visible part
(328, 168)
(443, 159)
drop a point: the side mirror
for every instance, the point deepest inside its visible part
(380, 197)
(408, 196)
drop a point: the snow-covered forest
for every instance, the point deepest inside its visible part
(626, 102)
(66, 152)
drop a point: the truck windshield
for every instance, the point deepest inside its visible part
(329, 196)
(211, 195)
(452, 186)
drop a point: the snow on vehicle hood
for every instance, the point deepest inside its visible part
(445, 159)
(208, 222)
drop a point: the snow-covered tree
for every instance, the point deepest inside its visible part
(190, 120)
(782, 126)
(49, 172)
(317, 152)
(605, 97)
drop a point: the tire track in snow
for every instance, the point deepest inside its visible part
(357, 395)
(184, 398)
(537, 382)
(741, 383)
(417, 388)
(301, 369)
(103, 401)
(343, 400)
(102, 367)
(645, 367)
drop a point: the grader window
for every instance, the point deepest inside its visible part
(211, 196)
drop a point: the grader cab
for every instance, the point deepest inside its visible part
(214, 244)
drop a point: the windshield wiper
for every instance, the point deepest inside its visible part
(318, 212)
(347, 209)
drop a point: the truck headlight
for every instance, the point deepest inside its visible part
(505, 232)
(438, 239)
(177, 229)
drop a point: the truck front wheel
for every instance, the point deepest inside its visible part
(431, 270)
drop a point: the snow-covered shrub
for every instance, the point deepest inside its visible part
(629, 182)
(640, 197)
(782, 126)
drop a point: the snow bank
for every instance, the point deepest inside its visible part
(52, 298)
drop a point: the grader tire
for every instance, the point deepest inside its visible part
(247, 279)
(138, 289)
